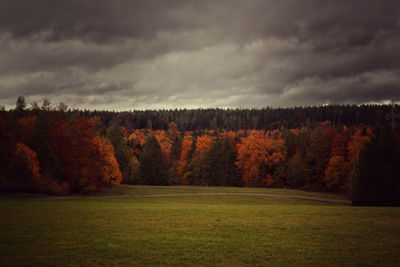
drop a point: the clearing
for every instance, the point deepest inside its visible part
(196, 226)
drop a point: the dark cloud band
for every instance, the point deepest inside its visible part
(242, 53)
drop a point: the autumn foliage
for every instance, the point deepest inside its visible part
(25, 162)
(259, 157)
(111, 173)
(59, 152)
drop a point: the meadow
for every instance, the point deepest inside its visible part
(196, 226)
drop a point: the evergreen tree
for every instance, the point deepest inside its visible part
(297, 171)
(221, 160)
(231, 172)
(377, 181)
(5, 155)
(20, 106)
(49, 162)
(176, 148)
(175, 155)
(214, 164)
(290, 142)
(152, 167)
(116, 137)
(317, 158)
(132, 172)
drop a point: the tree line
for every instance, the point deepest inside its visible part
(56, 150)
(239, 119)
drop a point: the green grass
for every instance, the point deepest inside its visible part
(195, 230)
(127, 190)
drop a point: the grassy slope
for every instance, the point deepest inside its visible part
(195, 230)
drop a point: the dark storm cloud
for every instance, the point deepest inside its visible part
(99, 20)
(187, 53)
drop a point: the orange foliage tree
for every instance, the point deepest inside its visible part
(173, 130)
(336, 174)
(203, 144)
(165, 144)
(182, 169)
(111, 172)
(258, 158)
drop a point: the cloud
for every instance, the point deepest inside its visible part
(166, 54)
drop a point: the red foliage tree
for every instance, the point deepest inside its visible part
(27, 127)
(25, 163)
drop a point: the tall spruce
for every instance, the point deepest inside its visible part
(377, 181)
(152, 166)
(50, 166)
(317, 158)
(116, 137)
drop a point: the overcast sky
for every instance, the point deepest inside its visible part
(125, 54)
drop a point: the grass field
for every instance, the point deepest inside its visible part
(124, 226)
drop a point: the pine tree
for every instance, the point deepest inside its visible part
(317, 158)
(297, 171)
(214, 164)
(20, 106)
(377, 181)
(49, 162)
(116, 137)
(132, 172)
(153, 170)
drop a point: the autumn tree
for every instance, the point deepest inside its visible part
(259, 157)
(251, 157)
(336, 174)
(88, 164)
(354, 147)
(26, 128)
(24, 167)
(85, 161)
(188, 150)
(111, 172)
(275, 161)
(339, 144)
(173, 131)
(165, 144)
